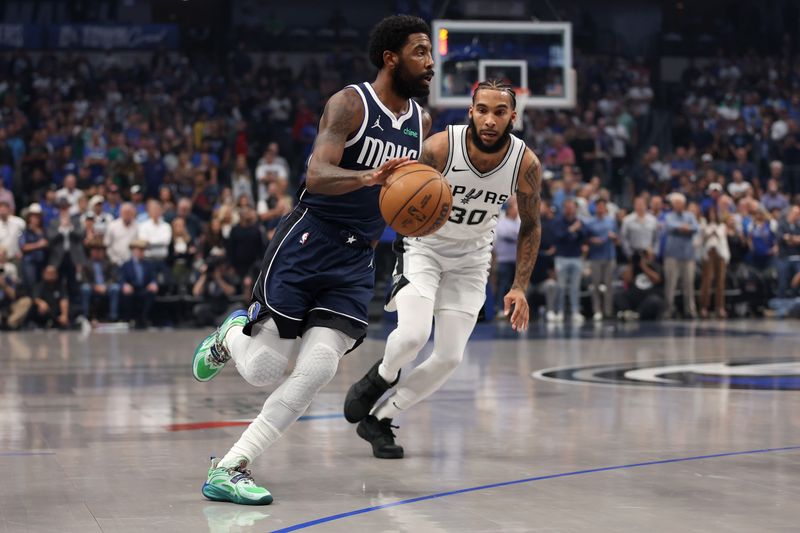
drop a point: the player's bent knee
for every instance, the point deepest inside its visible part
(413, 339)
(313, 371)
(265, 368)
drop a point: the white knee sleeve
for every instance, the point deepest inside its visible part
(261, 358)
(320, 351)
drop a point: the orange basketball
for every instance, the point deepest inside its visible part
(416, 200)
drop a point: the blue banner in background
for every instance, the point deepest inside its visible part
(89, 37)
(113, 37)
(14, 36)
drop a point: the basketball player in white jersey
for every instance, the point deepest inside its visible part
(443, 276)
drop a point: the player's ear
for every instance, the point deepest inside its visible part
(390, 59)
(470, 112)
(513, 117)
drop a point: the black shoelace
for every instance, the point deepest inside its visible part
(386, 427)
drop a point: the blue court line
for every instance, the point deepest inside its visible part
(21, 453)
(340, 516)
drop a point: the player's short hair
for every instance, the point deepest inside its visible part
(496, 85)
(391, 34)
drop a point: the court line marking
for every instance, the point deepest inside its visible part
(215, 424)
(340, 516)
(23, 453)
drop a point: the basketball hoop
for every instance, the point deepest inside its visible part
(522, 101)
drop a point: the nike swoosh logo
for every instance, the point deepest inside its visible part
(454, 169)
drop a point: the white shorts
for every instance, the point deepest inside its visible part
(454, 282)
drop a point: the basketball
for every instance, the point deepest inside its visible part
(416, 200)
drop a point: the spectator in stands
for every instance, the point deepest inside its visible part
(102, 220)
(215, 286)
(158, 235)
(182, 251)
(762, 241)
(715, 256)
(7, 197)
(11, 228)
(569, 234)
(193, 224)
(34, 245)
(601, 231)
(139, 287)
(639, 229)
(137, 199)
(113, 201)
(738, 187)
(773, 199)
(246, 245)
(278, 205)
(268, 171)
(559, 154)
(121, 233)
(65, 236)
(99, 283)
(680, 227)
(568, 189)
(505, 250)
(642, 295)
(13, 308)
(71, 193)
(212, 238)
(242, 181)
(50, 305)
(788, 262)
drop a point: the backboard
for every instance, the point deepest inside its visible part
(533, 55)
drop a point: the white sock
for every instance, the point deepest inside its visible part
(453, 330)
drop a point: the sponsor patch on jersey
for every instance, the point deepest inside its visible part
(253, 311)
(411, 133)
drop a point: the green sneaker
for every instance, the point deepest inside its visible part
(234, 485)
(212, 354)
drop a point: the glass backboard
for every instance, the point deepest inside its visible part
(534, 55)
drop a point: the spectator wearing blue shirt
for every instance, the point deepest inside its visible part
(34, 244)
(569, 236)
(773, 199)
(788, 262)
(602, 233)
(680, 227)
(762, 241)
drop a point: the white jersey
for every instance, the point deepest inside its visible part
(477, 197)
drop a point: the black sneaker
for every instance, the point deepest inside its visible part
(379, 434)
(365, 393)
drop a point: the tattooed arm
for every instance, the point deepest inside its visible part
(434, 151)
(530, 235)
(340, 120)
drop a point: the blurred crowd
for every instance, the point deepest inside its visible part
(148, 192)
(707, 227)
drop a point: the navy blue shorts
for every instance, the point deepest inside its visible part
(314, 274)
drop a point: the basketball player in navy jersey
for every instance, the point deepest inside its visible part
(317, 275)
(443, 276)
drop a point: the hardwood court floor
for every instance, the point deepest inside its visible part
(664, 427)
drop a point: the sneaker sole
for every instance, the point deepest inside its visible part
(216, 494)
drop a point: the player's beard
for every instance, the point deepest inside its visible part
(407, 85)
(489, 148)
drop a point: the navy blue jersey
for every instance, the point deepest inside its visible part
(382, 136)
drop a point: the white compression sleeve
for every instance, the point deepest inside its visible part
(320, 352)
(414, 317)
(261, 358)
(453, 329)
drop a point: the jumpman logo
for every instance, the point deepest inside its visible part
(377, 124)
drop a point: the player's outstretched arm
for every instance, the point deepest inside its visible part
(342, 118)
(434, 151)
(530, 235)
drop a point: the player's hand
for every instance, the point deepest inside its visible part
(519, 318)
(379, 175)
